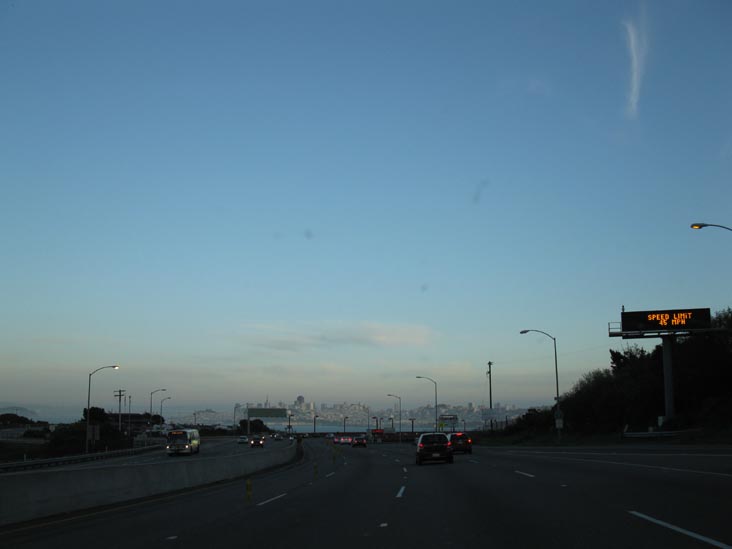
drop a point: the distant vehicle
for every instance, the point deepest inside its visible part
(256, 442)
(277, 436)
(346, 439)
(433, 447)
(336, 439)
(329, 436)
(183, 441)
(242, 439)
(461, 443)
(358, 440)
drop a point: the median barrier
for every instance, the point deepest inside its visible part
(37, 494)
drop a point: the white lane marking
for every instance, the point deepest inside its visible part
(330, 474)
(383, 455)
(659, 467)
(270, 500)
(473, 461)
(694, 535)
(172, 537)
(400, 493)
(619, 454)
(397, 461)
(525, 474)
(404, 469)
(562, 485)
(383, 525)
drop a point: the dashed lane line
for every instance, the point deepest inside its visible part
(525, 474)
(400, 493)
(270, 500)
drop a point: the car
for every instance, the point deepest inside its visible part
(277, 437)
(243, 439)
(433, 447)
(358, 440)
(256, 442)
(336, 439)
(346, 439)
(461, 442)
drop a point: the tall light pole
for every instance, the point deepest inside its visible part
(702, 225)
(314, 418)
(344, 424)
(151, 394)
(161, 408)
(433, 381)
(557, 411)
(400, 414)
(88, 402)
(376, 419)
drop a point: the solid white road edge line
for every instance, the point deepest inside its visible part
(694, 535)
(525, 474)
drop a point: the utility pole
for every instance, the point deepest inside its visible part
(119, 394)
(129, 416)
(490, 386)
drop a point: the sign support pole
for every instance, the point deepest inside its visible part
(668, 376)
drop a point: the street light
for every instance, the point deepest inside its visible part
(314, 418)
(151, 394)
(400, 414)
(433, 381)
(344, 424)
(376, 419)
(161, 408)
(558, 412)
(88, 402)
(702, 225)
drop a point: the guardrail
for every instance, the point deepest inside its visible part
(659, 434)
(14, 466)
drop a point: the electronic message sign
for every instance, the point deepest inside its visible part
(673, 320)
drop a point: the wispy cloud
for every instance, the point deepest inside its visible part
(637, 49)
(287, 338)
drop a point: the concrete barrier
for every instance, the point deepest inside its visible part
(32, 495)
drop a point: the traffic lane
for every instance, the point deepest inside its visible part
(697, 502)
(703, 459)
(209, 448)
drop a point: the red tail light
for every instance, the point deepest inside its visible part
(449, 443)
(421, 445)
(470, 441)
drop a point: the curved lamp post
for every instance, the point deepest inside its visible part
(702, 225)
(556, 370)
(151, 394)
(161, 408)
(88, 402)
(433, 381)
(400, 414)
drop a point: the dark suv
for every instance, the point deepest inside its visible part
(434, 447)
(461, 443)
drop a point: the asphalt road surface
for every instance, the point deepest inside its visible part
(625, 496)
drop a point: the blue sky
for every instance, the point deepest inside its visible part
(241, 199)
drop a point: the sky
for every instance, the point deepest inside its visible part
(241, 200)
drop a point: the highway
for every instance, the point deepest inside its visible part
(210, 447)
(624, 496)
